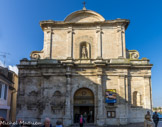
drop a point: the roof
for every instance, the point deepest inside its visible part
(84, 16)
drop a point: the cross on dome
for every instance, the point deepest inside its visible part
(84, 8)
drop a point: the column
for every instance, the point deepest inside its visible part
(67, 117)
(99, 42)
(70, 42)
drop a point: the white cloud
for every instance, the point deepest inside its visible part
(10, 67)
(13, 68)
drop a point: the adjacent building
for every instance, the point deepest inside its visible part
(85, 68)
(8, 94)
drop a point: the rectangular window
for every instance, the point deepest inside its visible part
(2, 94)
(3, 91)
(111, 114)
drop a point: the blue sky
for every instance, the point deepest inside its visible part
(20, 32)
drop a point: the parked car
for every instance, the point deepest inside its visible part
(160, 117)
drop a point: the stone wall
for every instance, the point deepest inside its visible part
(47, 90)
(64, 41)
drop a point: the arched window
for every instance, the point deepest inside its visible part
(136, 98)
(85, 50)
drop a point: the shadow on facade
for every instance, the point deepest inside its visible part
(63, 91)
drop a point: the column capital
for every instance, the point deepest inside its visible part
(147, 76)
(98, 29)
(70, 30)
(119, 29)
(122, 76)
(49, 29)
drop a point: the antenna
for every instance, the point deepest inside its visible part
(4, 55)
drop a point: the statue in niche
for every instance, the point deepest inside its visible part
(84, 52)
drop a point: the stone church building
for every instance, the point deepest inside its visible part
(84, 68)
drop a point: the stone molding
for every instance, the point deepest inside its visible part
(132, 54)
(36, 54)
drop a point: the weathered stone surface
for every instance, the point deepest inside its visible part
(49, 81)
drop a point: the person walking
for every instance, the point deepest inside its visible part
(81, 121)
(155, 118)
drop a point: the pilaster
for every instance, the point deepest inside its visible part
(120, 41)
(123, 41)
(123, 88)
(147, 92)
(100, 116)
(99, 42)
(70, 42)
(67, 117)
(48, 38)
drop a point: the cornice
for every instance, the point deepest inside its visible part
(52, 23)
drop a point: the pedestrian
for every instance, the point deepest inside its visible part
(85, 117)
(58, 123)
(81, 121)
(1, 121)
(47, 122)
(148, 121)
(155, 118)
(148, 116)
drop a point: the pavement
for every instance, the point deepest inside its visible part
(160, 124)
(129, 125)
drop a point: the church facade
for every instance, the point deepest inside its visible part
(84, 68)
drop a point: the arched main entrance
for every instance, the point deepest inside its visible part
(84, 104)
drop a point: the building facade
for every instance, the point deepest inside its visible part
(84, 68)
(8, 93)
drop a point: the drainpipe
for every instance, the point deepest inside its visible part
(10, 114)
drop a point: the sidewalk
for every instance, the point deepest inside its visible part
(160, 124)
(129, 125)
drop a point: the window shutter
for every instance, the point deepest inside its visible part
(5, 93)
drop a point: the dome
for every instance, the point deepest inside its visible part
(84, 16)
